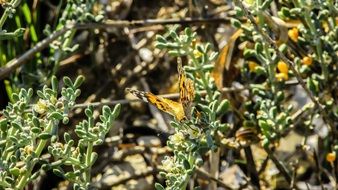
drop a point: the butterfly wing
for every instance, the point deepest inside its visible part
(166, 105)
(177, 108)
(187, 91)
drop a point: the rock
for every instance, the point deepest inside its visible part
(149, 141)
(124, 175)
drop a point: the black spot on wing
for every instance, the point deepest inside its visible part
(139, 94)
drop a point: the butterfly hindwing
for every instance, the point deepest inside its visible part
(177, 109)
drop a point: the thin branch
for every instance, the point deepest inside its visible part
(19, 61)
(251, 166)
(122, 23)
(206, 175)
(169, 96)
(263, 166)
(294, 176)
(317, 168)
(214, 161)
(268, 40)
(282, 169)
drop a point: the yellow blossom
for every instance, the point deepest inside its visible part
(193, 132)
(177, 138)
(282, 76)
(168, 163)
(40, 106)
(331, 157)
(325, 26)
(28, 149)
(283, 67)
(197, 53)
(307, 60)
(293, 34)
(252, 66)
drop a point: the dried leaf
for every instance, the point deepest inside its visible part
(224, 59)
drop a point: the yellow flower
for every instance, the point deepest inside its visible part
(193, 132)
(40, 106)
(250, 2)
(197, 53)
(282, 76)
(168, 163)
(307, 60)
(325, 26)
(331, 157)
(177, 138)
(252, 66)
(293, 34)
(283, 67)
(28, 149)
(193, 43)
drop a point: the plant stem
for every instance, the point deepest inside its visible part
(317, 40)
(251, 166)
(201, 74)
(88, 162)
(3, 18)
(13, 4)
(268, 61)
(191, 160)
(24, 179)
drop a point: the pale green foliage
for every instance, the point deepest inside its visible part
(26, 130)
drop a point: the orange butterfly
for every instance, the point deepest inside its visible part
(180, 110)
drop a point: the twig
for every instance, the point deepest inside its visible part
(317, 168)
(294, 176)
(263, 166)
(17, 62)
(301, 111)
(219, 182)
(279, 165)
(11, 5)
(268, 40)
(214, 167)
(123, 23)
(191, 8)
(169, 96)
(251, 166)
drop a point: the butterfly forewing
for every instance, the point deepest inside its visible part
(166, 105)
(177, 109)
